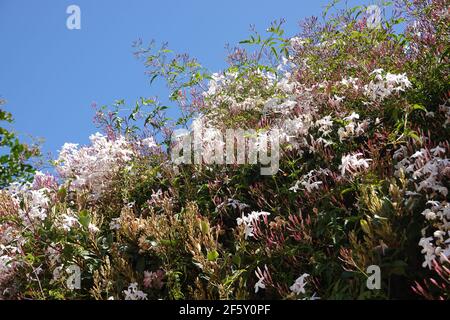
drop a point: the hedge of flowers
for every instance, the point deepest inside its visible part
(364, 117)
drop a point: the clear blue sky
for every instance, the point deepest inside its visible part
(50, 75)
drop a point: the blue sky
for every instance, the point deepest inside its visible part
(50, 75)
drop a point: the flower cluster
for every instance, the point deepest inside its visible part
(299, 285)
(92, 166)
(250, 220)
(132, 293)
(428, 169)
(384, 85)
(352, 164)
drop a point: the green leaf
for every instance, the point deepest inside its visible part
(419, 107)
(204, 227)
(84, 218)
(212, 255)
(62, 192)
(364, 226)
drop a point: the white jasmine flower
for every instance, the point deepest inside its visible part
(132, 293)
(36, 213)
(53, 254)
(38, 198)
(386, 85)
(149, 142)
(428, 250)
(350, 82)
(69, 222)
(262, 275)
(295, 187)
(259, 285)
(299, 284)
(93, 228)
(114, 224)
(297, 42)
(429, 215)
(346, 132)
(314, 297)
(311, 186)
(438, 151)
(419, 154)
(325, 124)
(325, 142)
(439, 234)
(338, 99)
(353, 116)
(248, 221)
(377, 71)
(351, 164)
(237, 204)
